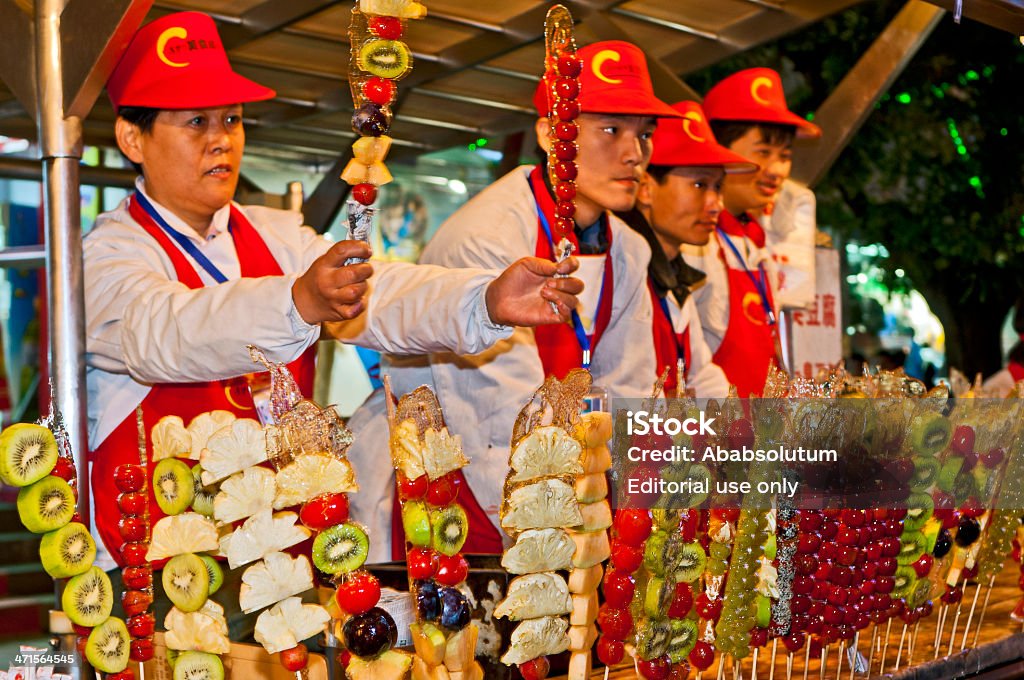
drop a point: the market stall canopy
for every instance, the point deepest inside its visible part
(477, 63)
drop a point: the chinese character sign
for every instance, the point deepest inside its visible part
(816, 331)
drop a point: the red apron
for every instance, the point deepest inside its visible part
(557, 344)
(1016, 371)
(748, 348)
(668, 343)
(186, 400)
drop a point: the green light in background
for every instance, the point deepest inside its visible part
(975, 181)
(987, 71)
(1004, 132)
(810, 115)
(472, 147)
(961, 149)
(972, 75)
(937, 91)
(481, 142)
(903, 98)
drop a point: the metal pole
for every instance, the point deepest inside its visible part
(61, 150)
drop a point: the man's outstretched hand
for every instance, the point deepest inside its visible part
(524, 293)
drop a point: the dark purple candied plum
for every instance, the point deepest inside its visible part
(967, 531)
(371, 120)
(454, 609)
(428, 601)
(371, 633)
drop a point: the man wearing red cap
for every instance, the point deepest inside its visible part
(483, 393)
(679, 202)
(748, 115)
(178, 279)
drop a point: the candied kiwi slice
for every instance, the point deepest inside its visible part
(919, 510)
(68, 551)
(108, 646)
(202, 497)
(929, 433)
(215, 571)
(652, 637)
(925, 472)
(27, 453)
(198, 666)
(683, 640)
(450, 529)
(46, 505)
(950, 470)
(385, 58)
(658, 596)
(173, 486)
(692, 561)
(905, 579)
(340, 549)
(88, 598)
(186, 582)
(912, 545)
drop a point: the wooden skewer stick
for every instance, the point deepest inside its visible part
(753, 668)
(607, 670)
(856, 653)
(885, 647)
(699, 674)
(807, 657)
(938, 629)
(822, 661)
(721, 667)
(839, 668)
(789, 666)
(775, 649)
(970, 617)
(871, 652)
(956, 621)
(984, 606)
(913, 643)
(737, 672)
(899, 653)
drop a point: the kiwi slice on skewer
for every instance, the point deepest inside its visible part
(683, 640)
(692, 561)
(108, 646)
(925, 472)
(912, 546)
(919, 509)
(202, 497)
(929, 433)
(215, 571)
(340, 549)
(27, 454)
(68, 551)
(46, 505)
(905, 580)
(198, 666)
(173, 486)
(450, 529)
(186, 582)
(88, 598)
(652, 637)
(658, 596)
(385, 58)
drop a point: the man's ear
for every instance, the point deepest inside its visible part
(129, 140)
(544, 133)
(645, 192)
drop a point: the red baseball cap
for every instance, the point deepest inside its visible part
(614, 79)
(755, 95)
(690, 142)
(178, 62)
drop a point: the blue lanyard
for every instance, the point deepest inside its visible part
(759, 283)
(680, 350)
(186, 244)
(577, 323)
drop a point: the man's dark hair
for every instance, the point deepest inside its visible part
(141, 117)
(659, 172)
(728, 131)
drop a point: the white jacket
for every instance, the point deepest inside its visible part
(145, 327)
(706, 378)
(712, 297)
(482, 394)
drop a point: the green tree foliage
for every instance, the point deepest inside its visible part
(937, 171)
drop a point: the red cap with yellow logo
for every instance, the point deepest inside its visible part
(614, 79)
(690, 142)
(755, 95)
(179, 62)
